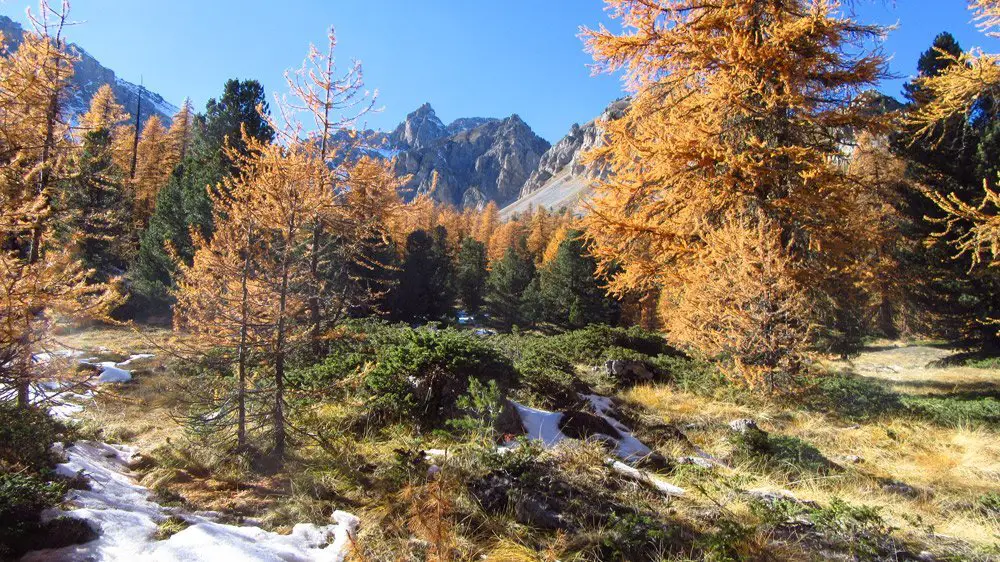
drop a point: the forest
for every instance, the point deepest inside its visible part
(769, 333)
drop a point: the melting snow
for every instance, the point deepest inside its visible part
(544, 426)
(127, 520)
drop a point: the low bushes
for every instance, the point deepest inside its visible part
(28, 485)
(425, 376)
(26, 437)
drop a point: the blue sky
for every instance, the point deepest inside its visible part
(465, 57)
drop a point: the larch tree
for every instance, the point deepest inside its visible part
(220, 300)
(154, 164)
(734, 139)
(39, 278)
(104, 112)
(333, 100)
(274, 198)
(181, 132)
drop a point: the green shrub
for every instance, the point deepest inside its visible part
(22, 499)
(989, 504)
(423, 377)
(549, 378)
(855, 398)
(788, 454)
(634, 536)
(26, 437)
(861, 529)
(690, 375)
(482, 406)
(323, 376)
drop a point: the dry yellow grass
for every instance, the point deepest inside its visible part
(954, 465)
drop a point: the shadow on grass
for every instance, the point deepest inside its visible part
(974, 359)
(863, 399)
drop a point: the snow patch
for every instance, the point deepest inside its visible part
(127, 521)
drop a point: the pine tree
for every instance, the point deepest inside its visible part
(424, 290)
(470, 274)
(729, 131)
(570, 292)
(184, 203)
(958, 93)
(506, 285)
(950, 156)
(236, 109)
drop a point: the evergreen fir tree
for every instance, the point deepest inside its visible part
(425, 289)
(570, 292)
(185, 203)
(506, 285)
(470, 274)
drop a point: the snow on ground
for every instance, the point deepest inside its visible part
(541, 425)
(544, 426)
(127, 520)
(629, 448)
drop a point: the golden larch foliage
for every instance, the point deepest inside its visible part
(733, 135)
(155, 161)
(39, 278)
(104, 113)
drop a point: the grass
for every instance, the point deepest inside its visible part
(950, 457)
(170, 527)
(926, 438)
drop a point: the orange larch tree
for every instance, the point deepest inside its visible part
(735, 136)
(39, 279)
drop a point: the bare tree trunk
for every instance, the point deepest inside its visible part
(135, 137)
(315, 318)
(279, 352)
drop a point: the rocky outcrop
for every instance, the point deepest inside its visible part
(89, 75)
(489, 162)
(566, 156)
(420, 129)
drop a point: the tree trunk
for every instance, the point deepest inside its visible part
(241, 428)
(314, 299)
(279, 352)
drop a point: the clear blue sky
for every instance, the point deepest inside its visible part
(465, 57)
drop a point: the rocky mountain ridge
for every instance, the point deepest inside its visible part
(89, 75)
(474, 160)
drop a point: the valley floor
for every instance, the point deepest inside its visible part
(901, 459)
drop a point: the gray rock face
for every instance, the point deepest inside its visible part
(421, 129)
(489, 162)
(567, 154)
(89, 75)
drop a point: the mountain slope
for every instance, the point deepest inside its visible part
(89, 75)
(562, 178)
(475, 160)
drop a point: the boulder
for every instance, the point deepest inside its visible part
(628, 371)
(743, 426)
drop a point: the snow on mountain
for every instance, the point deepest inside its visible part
(89, 75)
